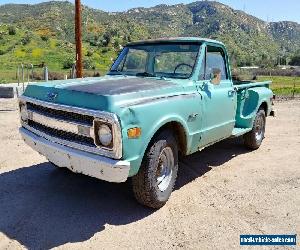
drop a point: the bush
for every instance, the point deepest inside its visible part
(56, 76)
(89, 53)
(3, 81)
(105, 50)
(295, 61)
(88, 64)
(25, 40)
(68, 63)
(37, 76)
(12, 31)
(45, 37)
(91, 74)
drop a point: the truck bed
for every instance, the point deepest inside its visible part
(250, 84)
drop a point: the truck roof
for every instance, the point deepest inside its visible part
(177, 39)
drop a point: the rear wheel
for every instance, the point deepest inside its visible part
(154, 183)
(254, 138)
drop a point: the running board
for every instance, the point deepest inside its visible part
(236, 132)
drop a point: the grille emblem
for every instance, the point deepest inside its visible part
(51, 96)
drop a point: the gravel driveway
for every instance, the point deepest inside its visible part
(222, 192)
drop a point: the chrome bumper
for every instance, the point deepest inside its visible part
(78, 161)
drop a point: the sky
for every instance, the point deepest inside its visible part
(268, 10)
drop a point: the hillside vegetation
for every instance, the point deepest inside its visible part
(44, 33)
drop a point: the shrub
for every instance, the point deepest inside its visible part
(25, 40)
(12, 31)
(37, 52)
(68, 63)
(56, 76)
(89, 53)
(45, 37)
(295, 61)
(105, 50)
(88, 64)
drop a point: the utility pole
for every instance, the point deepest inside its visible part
(78, 39)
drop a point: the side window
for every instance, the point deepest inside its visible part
(215, 65)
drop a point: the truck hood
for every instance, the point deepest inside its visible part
(105, 93)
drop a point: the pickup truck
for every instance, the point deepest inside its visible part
(161, 99)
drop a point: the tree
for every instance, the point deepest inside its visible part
(295, 60)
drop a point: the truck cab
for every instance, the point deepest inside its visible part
(161, 98)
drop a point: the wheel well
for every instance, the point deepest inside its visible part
(264, 106)
(179, 133)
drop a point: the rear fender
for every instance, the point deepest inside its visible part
(249, 101)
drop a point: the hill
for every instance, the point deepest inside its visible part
(44, 33)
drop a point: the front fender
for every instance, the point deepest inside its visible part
(162, 122)
(150, 117)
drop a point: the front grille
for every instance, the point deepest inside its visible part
(60, 114)
(87, 141)
(70, 126)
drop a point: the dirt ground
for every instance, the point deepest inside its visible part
(222, 192)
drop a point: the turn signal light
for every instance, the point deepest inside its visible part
(134, 133)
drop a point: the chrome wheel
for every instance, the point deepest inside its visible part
(259, 128)
(165, 169)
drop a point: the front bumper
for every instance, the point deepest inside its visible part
(78, 161)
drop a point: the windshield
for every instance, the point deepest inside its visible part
(157, 60)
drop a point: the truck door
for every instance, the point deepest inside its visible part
(218, 97)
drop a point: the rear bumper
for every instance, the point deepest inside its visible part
(78, 161)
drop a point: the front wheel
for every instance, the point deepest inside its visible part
(254, 138)
(154, 183)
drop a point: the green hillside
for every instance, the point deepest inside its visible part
(45, 33)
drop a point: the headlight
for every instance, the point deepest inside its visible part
(105, 135)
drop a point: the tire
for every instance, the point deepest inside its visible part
(154, 183)
(254, 138)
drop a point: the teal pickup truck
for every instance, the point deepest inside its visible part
(161, 99)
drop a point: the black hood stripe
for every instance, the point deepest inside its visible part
(120, 86)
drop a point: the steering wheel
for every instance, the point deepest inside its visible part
(180, 65)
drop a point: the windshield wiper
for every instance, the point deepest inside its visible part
(145, 74)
